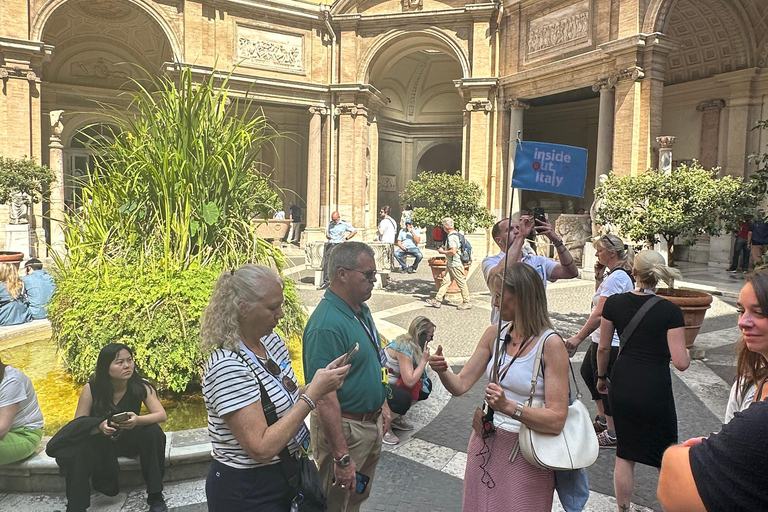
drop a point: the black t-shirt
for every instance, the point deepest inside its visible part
(295, 212)
(731, 468)
(648, 343)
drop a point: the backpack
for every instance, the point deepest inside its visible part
(465, 248)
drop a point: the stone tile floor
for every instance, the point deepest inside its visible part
(424, 471)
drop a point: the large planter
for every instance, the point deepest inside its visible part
(694, 305)
(272, 229)
(13, 257)
(437, 264)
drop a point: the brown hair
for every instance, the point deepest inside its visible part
(751, 367)
(524, 283)
(9, 275)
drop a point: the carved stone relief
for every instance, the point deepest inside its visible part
(412, 5)
(575, 231)
(272, 50)
(99, 69)
(564, 29)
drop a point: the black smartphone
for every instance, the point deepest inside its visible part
(119, 417)
(362, 482)
(538, 214)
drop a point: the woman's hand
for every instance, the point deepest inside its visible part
(329, 378)
(603, 385)
(572, 344)
(425, 354)
(132, 421)
(495, 397)
(105, 428)
(437, 361)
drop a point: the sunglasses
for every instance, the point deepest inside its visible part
(368, 274)
(273, 368)
(608, 239)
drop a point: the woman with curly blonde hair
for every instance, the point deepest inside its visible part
(14, 308)
(247, 358)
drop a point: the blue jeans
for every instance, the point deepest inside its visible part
(401, 254)
(572, 486)
(740, 249)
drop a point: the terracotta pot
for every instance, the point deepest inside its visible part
(11, 257)
(437, 264)
(694, 305)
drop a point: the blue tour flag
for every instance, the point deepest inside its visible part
(550, 168)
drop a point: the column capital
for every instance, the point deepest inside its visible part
(633, 74)
(515, 103)
(318, 110)
(666, 141)
(479, 105)
(704, 106)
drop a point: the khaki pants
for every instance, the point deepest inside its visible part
(364, 443)
(757, 252)
(455, 274)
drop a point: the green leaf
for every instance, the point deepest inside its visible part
(210, 213)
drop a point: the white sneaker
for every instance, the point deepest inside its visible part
(390, 438)
(400, 424)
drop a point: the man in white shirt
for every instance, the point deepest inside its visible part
(387, 227)
(549, 270)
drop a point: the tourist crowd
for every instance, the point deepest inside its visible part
(358, 390)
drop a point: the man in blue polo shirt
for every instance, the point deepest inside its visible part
(338, 232)
(347, 428)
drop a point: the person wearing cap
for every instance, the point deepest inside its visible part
(39, 286)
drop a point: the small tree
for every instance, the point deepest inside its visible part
(24, 176)
(678, 206)
(439, 195)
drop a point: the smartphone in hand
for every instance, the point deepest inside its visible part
(351, 352)
(119, 417)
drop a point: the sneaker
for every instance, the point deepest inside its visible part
(404, 270)
(323, 286)
(157, 504)
(390, 438)
(410, 270)
(606, 440)
(599, 425)
(434, 303)
(400, 424)
(464, 305)
(733, 270)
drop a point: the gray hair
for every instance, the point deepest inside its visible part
(448, 223)
(220, 326)
(624, 252)
(347, 255)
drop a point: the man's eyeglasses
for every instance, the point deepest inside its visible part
(274, 368)
(368, 274)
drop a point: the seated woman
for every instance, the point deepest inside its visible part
(21, 422)
(248, 379)
(116, 387)
(14, 308)
(407, 358)
(497, 478)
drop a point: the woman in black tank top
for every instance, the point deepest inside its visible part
(117, 391)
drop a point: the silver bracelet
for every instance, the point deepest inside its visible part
(309, 401)
(518, 411)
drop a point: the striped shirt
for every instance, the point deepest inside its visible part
(229, 385)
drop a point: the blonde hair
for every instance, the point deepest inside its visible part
(524, 283)
(9, 275)
(650, 269)
(220, 326)
(624, 253)
(419, 325)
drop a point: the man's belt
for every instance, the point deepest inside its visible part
(362, 416)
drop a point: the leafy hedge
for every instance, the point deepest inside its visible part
(156, 313)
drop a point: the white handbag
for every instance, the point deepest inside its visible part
(574, 447)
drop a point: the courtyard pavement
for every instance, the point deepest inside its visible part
(424, 472)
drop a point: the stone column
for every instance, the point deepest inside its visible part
(665, 152)
(710, 132)
(314, 168)
(56, 163)
(517, 110)
(605, 126)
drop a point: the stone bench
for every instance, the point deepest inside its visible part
(187, 456)
(384, 254)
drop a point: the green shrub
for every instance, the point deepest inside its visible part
(155, 313)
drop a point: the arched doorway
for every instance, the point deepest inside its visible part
(444, 157)
(416, 73)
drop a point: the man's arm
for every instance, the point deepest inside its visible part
(416, 237)
(329, 414)
(350, 232)
(566, 268)
(677, 490)
(515, 250)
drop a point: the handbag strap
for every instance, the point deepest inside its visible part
(270, 413)
(537, 364)
(632, 325)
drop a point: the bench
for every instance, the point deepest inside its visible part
(384, 254)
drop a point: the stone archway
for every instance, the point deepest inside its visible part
(442, 157)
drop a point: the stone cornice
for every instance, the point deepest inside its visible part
(285, 9)
(23, 46)
(358, 96)
(395, 19)
(406, 129)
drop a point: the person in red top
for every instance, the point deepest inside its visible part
(741, 248)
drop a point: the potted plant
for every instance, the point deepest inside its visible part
(25, 182)
(436, 196)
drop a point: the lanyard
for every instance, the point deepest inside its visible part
(371, 335)
(504, 353)
(277, 381)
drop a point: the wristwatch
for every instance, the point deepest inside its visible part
(343, 461)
